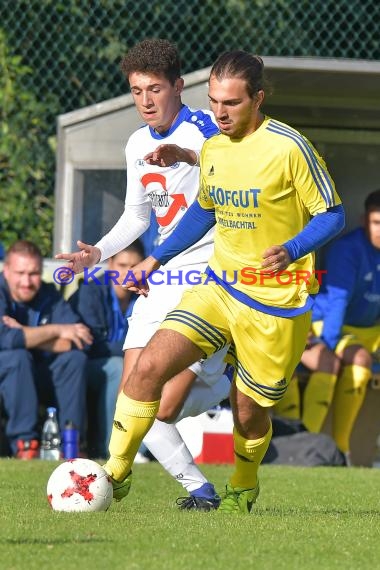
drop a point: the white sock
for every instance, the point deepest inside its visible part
(202, 397)
(166, 444)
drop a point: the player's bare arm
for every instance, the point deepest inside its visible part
(276, 258)
(169, 154)
(87, 256)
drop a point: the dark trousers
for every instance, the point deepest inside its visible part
(26, 379)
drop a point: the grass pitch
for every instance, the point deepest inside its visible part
(306, 518)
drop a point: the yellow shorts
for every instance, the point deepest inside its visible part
(266, 348)
(369, 337)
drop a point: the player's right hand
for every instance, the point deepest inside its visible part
(88, 256)
(139, 284)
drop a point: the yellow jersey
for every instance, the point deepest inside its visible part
(264, 188)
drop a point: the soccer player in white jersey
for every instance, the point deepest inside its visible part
(272, 201)
(163, 175)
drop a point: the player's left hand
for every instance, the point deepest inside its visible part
(276, 258)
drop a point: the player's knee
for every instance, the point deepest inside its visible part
(145, 368)
(167, 418)
(168, 412)
(358, 356)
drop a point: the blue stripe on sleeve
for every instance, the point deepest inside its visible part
(321, 229)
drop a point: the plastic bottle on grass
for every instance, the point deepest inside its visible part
(70, 441)
(51, 438)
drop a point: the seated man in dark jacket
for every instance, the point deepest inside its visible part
(105, 307)
(41, 350)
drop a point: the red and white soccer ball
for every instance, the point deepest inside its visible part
(79, 485)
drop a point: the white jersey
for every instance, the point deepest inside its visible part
(169, 191)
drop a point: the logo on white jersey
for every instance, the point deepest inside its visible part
(166, 206)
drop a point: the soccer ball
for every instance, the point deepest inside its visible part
(79, 485)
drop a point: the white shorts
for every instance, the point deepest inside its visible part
(149, 312)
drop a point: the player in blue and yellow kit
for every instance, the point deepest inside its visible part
(262, 183)
(346, 329)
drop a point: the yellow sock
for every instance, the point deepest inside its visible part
(249, 453)
(317, 399)
(131, 422)
(349, 397)
(289, 406)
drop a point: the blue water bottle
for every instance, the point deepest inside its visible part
(70, 441)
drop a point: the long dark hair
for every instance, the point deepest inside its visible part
(241, 64)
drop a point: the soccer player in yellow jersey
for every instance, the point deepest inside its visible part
(272, 201)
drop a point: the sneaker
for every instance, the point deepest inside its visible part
(121, 488)
(203, 499)
(27, 449)
(238, 500)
